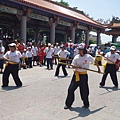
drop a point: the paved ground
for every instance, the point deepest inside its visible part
(42, 98)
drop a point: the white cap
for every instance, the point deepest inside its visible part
(62, 46)
(81, 46)
(12, 45)
(0, 41)
(29, 47)
(49, 44)
(112, 48)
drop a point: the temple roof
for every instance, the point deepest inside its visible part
(115, 25)
(59, 10)
(113, 32)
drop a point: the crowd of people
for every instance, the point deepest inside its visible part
(21, 55)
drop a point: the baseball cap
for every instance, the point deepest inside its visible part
(12, 45)
(62, 46)
(112, 48)
(49, 44)
(29, 47)
(81, 46)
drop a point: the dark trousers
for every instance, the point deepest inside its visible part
(1, 63)
(29, 62)
(56, 59)
(11, 69)
(63, 69)
(84, 90)
(44, 60)
(110, 68)
(49, 62)
(35, 59)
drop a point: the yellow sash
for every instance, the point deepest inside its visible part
(13, 63)
(62, 59)
(77, 74)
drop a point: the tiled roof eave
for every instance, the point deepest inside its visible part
(57, 12)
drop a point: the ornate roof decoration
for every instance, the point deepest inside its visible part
(58, 10)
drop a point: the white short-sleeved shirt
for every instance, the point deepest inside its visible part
(2, 49)
(69, 44)
(63, 54)
(98, 51)
(76, 51)
(56, 50)
(24, 54)
(34, 49)
(29, 53)
(82, 61)
(49, 52)
(13, 56)
(112, 57)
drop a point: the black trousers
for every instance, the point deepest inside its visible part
(44, 60)
(11, 69)
(1, 63)
(110, 68)
(63, 68)
(35, 58)
(49, 63)
(84, 90)
(29, 62)
(56, 59)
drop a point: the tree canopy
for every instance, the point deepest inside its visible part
(64, 3)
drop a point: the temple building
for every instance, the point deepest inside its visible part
(38, 18)
(114, 29)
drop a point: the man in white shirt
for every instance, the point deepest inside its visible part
(56, 50)
(62, 54)
(12, 66)
(80, 77)
(35, 53)
(2, 50)
(70, 44)
(76, 51)
(49, 51)
(111, 57)
(30, 57)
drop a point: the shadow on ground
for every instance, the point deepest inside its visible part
(83, 112)
(110, 89)
(11, 88)
(60, 77)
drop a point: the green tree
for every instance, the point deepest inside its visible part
(91, 42)
(64, 3)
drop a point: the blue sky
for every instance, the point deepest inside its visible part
(103, 9)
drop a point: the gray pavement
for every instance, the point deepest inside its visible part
(42, 97)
